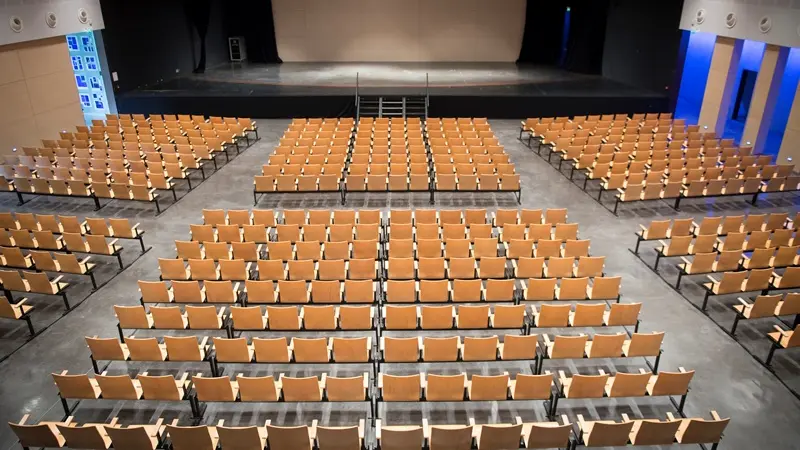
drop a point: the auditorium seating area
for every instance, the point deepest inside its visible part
(365, 289)
(388, 155)
(651, 157)
(125, 157)
(389, 323)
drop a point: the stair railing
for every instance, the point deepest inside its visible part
(427, 95)
(358, 101)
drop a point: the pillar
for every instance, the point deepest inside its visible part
(790, 151)
(720, 84)
(765, 95)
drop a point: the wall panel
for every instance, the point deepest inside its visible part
(38, 92)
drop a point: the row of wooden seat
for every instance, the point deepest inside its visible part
(755, 280)
(717, 225)
(94, 244)
(278, 169)
(276, 288)
(373, 216)
(401, 437)
(290, 233)
(396, 350)
(121, 191)
(44, 261)
(486, 248)
(704, 189)
(33, 283)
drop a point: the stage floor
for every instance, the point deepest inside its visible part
(395, 79)
(495, 90)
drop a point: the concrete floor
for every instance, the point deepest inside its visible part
(764, 412)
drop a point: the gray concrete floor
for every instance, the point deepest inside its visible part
(764, 412)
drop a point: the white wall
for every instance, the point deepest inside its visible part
(785, 19)
(404, 30)
(33, 15)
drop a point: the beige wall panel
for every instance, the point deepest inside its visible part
(51, 122)
(14, 102)
(10, 68)
(52, 91)
(45, 59)
(38, 96)
(412, 30)
(19, 133)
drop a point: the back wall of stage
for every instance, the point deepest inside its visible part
(391, 30)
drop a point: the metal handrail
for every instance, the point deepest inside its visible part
(427, 96)
(358, 103)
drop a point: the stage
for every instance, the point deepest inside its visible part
(495, 90)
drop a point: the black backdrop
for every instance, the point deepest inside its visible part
(587, 33)
(148, 41)
(544, 25)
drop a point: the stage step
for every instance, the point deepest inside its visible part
(392, 107)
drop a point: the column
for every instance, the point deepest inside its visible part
(765, 95)
(720, 84)
(790, 151)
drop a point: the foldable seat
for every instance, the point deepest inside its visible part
(440, 349)
(789, 279)
(463, 290)
(603, 433)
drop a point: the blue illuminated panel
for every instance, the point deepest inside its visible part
(88, 76)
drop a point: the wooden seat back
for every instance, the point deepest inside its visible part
(345, 389)
(160, 387)
(120, 387)
(401, 388)
(496, 437)
(310, 350)
(569, 346)
(44, 435)
(146, 349)
(400, 349)
(645, 344)
(553, 316)
(440, 349)
(168, 317)
(76, 386)
(400, 317)
(629, 385)
(275, 350)
(302, 389)
(196, 437)
(655, 432)
(132, 316)
(607, 433)
(184, 348)
(547, 435)
(355, 349)
(483, 387)
(532, 387)
(445, 387)
(109, 349)
(671, 383)
(586, 386)
(700, 431)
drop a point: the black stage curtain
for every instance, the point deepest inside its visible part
(544, 25)
(587, 36)
(253, 19)
(199, 13)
